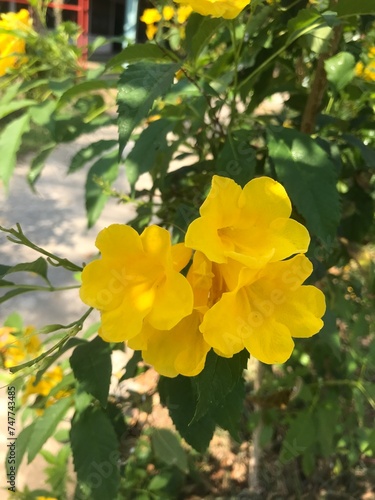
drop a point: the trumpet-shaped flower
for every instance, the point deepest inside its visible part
(250, 225)
(265, 310)
(12, 47)
(228, 9)
(137, 280)
(15, 349)
(182, 349)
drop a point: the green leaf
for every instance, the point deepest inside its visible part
(309, 178)
(199, 31)
(10, 141)
(346, 8)
(8, 108)
(92, 367)
(299, 438)
(89, 152)
(38, 266)
(138, 52)
(38, 163)
(46, 425)
(132, 366)
(340, 69)
(217, 380)
(84, 88)
(95, 454)
(139, 86)
(150, 149)
(305, 21)
(237, 159)
(178, 396)
(228, 414)
(105, 169)
(168, 449)
(13, 293)
(327, 416)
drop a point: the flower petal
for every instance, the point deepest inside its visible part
(101, 287)
(181, 350)
(180, 256)
(173, 301)
(118, 242)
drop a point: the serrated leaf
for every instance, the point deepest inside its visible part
(178, 396)
(140, 84)
(168, 449)
(38, 266)
(309, 178)
(105, 169)
(199, 31)
(95, 454)
(217, 380)
(92, 367)
(138, 52)
(150, 147)
(10, 141)
(340, 69)
(228, 414)
(46, 425)
(89, 152)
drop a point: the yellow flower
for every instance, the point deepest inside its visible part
(46, 498)
(168, 12)
(228, 9)
(151, 30)
(49, 380)
(182, 349)
(367, 72)
(183, 13)
(12, 46)
(150, 16)
(15, 349)
(265, 310)
(137, 280)
(249, 225)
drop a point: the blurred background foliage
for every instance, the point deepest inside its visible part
(286, 90)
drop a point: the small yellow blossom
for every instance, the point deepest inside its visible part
(150, 16)
(48, 382)
(250, 225)
(367, 71)
(151, 30)
(168, 13)
(15, 349)
(137, 280)
(228, 9)
(12, 47)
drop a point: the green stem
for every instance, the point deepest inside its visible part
(38, 288)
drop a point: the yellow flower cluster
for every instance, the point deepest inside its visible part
(49, 381)
(367, 71)
(228, 9)
(152, 16)
(12, 47)
(243, 290)
(15, 349)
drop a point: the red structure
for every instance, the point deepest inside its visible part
(81, 8)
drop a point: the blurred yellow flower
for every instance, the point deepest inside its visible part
(15, 349)
(367, 71)
(12, 47)
(228, 9)
(250, 225)
(168, 13)
(137, 280)
(265, 310)
(151, 30)
(49, 381)
(150, 16)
